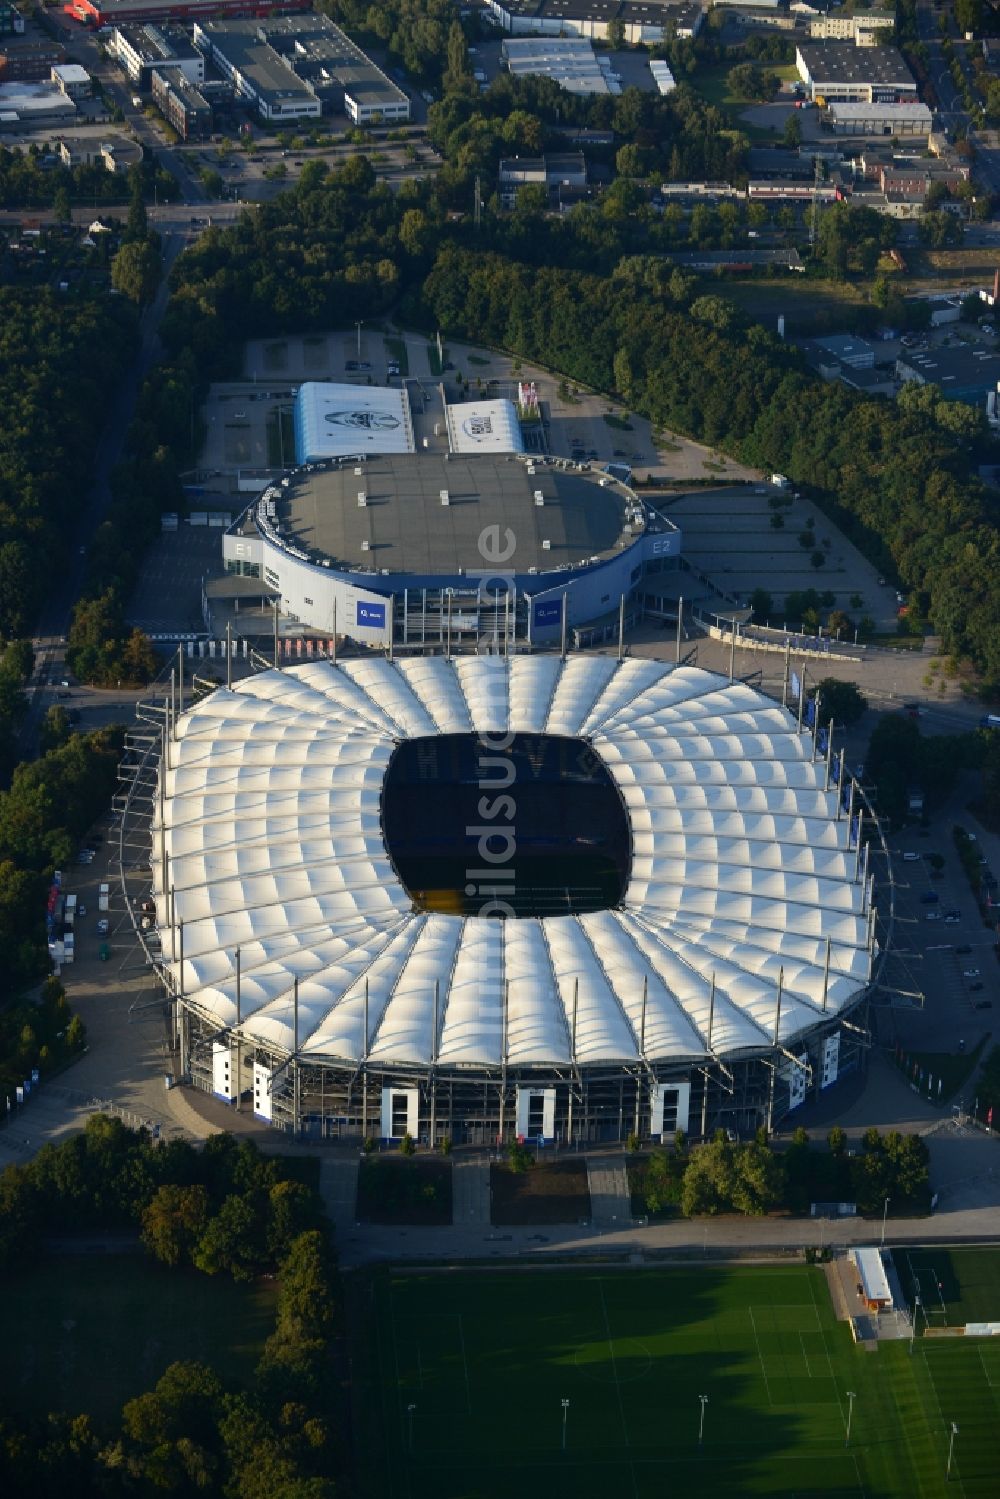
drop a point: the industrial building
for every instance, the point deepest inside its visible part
(863, 28)
(965, 372)
(569, 61)
(101, 13)
(680, 936)
(140, 49)
(839, 73)
(895, 121)
(181, 103)
(297, 67)
(562, 174)
(642, 22)
(26, 106)
(73, 80)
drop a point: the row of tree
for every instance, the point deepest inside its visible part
(44, 813)
(754, 1178)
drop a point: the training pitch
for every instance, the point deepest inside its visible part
(462, 1381)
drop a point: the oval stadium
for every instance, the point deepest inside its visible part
(483, 898)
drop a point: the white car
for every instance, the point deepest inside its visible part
(933, 916)
(970, 973)
(910, 858)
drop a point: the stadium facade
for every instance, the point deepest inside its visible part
(487, 897)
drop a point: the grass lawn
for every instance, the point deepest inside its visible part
(955, 1285)
(86, 1334)
(405, 1189)
(462, 1379)
(549, 1192)
(809, 305)
(952, 1067)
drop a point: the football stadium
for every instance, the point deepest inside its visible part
(482, 897)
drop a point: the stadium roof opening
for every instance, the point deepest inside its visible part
(484, 427)
(336, 421)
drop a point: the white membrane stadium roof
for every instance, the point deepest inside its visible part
(741, 870)
(484, 427)
(338, 421)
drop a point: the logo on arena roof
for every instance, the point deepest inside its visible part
(478, 427)
(368, 421)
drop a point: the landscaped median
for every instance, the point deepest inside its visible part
(526, 1190)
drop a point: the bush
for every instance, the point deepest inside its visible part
(519, 1157)
(407, 1145)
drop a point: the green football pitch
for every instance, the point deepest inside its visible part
(463, 1377)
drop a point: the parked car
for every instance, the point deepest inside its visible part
(933, 916)
(81, 909)
(910, 857)
(970, 973)
(103, 927)
(951, 918)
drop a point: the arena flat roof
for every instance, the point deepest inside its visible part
(484, 427)
(408, 529)
(333, 421)
(741, 918)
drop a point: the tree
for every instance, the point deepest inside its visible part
(762, 605)
(841, 701)
(792, 133)
(233, 1241)
(135, 271)
(749, 81)
(136, 225)
(56, 728)
(174, 1222)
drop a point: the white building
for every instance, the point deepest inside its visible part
(893, 120)
(336, 421)
(484, 427)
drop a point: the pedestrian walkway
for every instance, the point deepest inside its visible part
(470, 1185)
(338, 1187)
(610, 1199)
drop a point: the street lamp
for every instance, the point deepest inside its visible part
(565, 1411)
(951, 1449)
(409, 1426)
(701, 1422)
(851, 1397)
(358, 326)
(885, 1210)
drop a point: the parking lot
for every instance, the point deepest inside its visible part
(942, 947)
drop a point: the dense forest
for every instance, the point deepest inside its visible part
(224, 1210)
(59, 358)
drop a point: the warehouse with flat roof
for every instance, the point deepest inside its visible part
(837, 71)
(294, 67)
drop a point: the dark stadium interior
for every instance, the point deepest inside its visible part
(539, 827)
